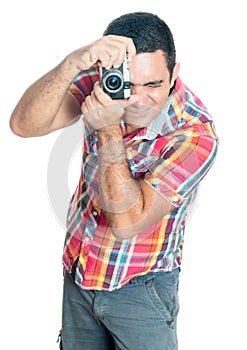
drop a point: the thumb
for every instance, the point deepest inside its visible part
(130, 101)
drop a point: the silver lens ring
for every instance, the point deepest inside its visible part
(112, 81)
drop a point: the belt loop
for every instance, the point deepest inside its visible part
(141, 280)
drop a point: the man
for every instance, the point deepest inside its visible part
(143, 159)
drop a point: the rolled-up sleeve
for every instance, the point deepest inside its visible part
(184, 161)
(82, 85)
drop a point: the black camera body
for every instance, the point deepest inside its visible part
(116, 81)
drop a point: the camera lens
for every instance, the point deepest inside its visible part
(113, 82)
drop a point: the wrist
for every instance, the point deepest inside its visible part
(68, 68)
(108, 134)
(109, 129)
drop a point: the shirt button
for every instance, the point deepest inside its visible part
(95, 213)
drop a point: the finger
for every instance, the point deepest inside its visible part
(119, 46)
(119, 59)
(84, 108)
(117, 53)
(98, 54)
(105, 51)
(102, 98)
(129, 47)
(131, 50)
(114, 57)
(102, 59)
(128, 102)
(105, 57)
(88, 102)
(95, 103)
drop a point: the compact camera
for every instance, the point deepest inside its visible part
(116, 81)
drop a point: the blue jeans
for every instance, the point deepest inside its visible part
(141, 315)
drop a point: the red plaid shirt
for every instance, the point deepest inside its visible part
(173, 154)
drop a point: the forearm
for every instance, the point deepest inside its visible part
(121, 195)
(40, 104)
(45, 107)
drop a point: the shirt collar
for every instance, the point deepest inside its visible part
(167, 121)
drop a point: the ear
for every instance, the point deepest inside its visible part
(175, 73)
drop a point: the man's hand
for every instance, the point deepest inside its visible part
(101, 112)
(45, 106)
(105, 52)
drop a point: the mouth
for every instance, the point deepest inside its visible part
(140, 116)
(137, 110)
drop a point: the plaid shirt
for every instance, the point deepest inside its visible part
(172, 155)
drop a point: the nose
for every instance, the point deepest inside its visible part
(139, 91)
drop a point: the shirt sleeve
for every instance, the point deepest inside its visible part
(183, 163)
(83, 84)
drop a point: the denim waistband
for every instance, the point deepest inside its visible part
(141, 280)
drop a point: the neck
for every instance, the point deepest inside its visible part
(129, 129)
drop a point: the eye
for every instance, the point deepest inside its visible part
(150, 85)
(154, 85)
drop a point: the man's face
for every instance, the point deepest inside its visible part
(151, 82)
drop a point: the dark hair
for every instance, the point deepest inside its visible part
(148, 32)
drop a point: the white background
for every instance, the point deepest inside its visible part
(210, 38)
